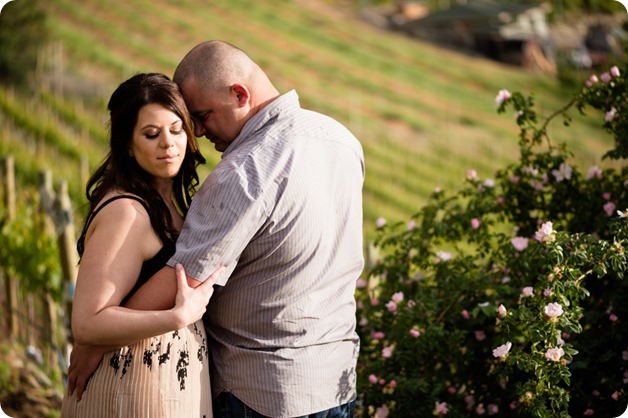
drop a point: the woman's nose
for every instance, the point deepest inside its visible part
(167, 140)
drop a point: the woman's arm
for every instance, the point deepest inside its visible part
(107, 327)
(85, 358)
(120, 239)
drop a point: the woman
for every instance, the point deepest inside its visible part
(137, 199)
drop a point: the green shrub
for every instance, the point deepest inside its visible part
(507, 298)
(29, 250)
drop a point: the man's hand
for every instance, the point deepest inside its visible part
(84, 360)
(191, 303)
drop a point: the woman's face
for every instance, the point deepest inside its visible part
(159, 141)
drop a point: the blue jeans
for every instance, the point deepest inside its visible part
(226, 405)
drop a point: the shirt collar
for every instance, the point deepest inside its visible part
(286, 102)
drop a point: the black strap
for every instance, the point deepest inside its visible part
(80, 245)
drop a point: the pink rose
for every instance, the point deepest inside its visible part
(610, 115)
(609, 208)
(387, 351)
(605, 77)
(502, 96)
(501, 352)
(545, 233)
(382, 411)
(554, 354)
(520, 243)
(593, 172)
(553, 310)
(441, 408)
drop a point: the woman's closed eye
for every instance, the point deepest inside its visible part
(155, 135)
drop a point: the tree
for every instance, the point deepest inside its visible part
(23, 32)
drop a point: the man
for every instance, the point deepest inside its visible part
(283, 212)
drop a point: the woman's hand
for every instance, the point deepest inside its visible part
(191, 303)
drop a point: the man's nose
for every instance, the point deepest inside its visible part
(198, 130)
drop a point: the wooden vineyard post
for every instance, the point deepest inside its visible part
(58, 208)
(8, 185)
(67, 248)
(46, 202)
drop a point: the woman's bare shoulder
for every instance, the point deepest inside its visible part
(122, 212)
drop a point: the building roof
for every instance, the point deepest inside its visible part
(485, 18)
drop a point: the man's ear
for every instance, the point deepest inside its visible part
(242, 93)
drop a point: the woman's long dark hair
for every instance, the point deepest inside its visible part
(121, 171)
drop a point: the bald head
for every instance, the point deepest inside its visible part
(215, 65)
(223, 89)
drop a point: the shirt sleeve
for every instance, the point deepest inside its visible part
(224, 216)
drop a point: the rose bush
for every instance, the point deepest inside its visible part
(508, 297)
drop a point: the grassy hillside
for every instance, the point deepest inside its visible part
(424, 115)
